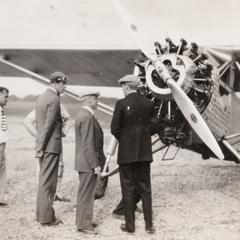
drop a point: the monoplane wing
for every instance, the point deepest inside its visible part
(92, 67)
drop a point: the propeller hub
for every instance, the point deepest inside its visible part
(179, 68)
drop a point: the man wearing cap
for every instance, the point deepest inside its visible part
(49, 147)
(30, 124)
(89, 157)
(131, 127)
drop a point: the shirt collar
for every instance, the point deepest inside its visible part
(133, 91)
(89, 109)
(53, 89)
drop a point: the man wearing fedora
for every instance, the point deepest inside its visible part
(49, 147)
(131, 126)
(89, 157)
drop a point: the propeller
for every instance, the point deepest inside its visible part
(184, 103)
(133, 29)
(194, 118)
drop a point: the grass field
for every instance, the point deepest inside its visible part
(22, 108)
(193, 199)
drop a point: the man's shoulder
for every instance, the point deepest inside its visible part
(48, 96)
(142, 98)
(128, 99)
(141, 101)
(83, 114)
(148, 101)
(119, 101)
(134, 97)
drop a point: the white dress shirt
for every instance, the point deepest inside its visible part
(89, 109)
(30, 121)
(3, 132)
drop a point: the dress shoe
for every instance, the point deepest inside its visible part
(150, 230)
(56, 222)
(3, 203)
(125, 229)
(98, 196)
(118, 212)
(118, 216)
(88, 231)
(94, 225)
(61, 199)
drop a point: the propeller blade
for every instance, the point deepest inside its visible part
(194, 118)
(186, 106)
(133, 29)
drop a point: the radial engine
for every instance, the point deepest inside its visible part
(189, 68)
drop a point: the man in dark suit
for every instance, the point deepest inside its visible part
(49, 147)
(131, 127)
(88, 159)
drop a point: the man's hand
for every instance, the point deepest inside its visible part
(104, 174)
(110, 173)
(60, 170)
(97, 170)
(39, 154)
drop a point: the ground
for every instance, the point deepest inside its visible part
(192, 198)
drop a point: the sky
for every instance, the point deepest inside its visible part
(77, 24)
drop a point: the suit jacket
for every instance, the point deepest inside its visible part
(89, 142)
(130, 125)
(49, 122)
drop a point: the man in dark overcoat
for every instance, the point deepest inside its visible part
(49, 147)
(131, 127)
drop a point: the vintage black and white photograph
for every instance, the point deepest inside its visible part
(119, 119)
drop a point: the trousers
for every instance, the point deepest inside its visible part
(3, 172)
(47, 187)
(135, 178)
(85, 200)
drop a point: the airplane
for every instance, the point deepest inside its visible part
(193, 88)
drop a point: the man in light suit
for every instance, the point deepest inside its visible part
(88, 157)
(49, 147)
(30, 124)
(131, 126)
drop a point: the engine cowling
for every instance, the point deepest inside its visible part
(190, 70)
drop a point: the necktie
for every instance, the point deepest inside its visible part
(4, 121)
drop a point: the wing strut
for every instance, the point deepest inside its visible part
(232, 150)
(102, 107)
